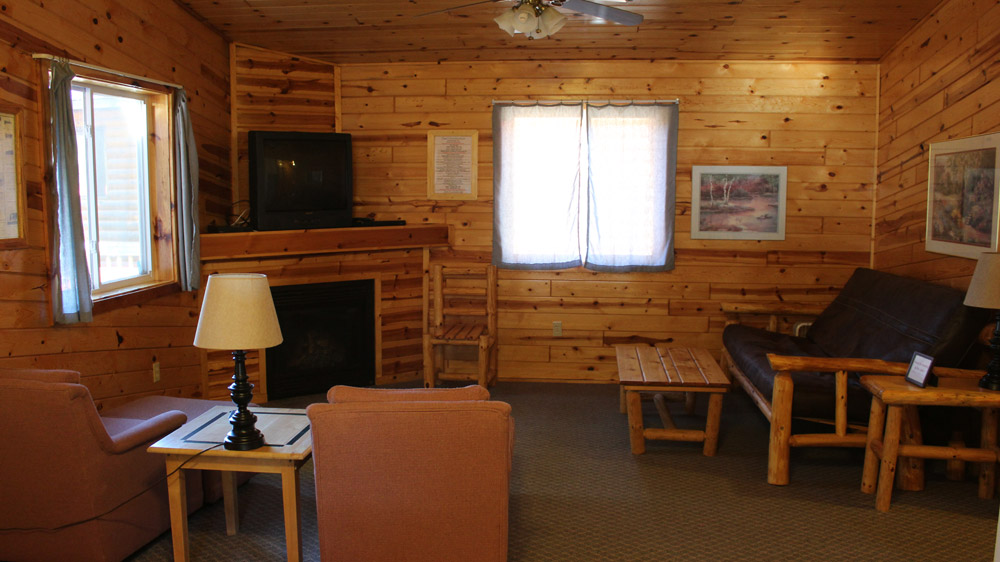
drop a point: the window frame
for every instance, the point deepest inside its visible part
(162, 213)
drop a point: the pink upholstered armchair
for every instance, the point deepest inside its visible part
(416, 475)
(62, 463)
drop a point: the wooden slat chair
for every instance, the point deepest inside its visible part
(464, 313)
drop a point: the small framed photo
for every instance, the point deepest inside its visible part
(919, 372)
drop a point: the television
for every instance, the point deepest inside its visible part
(300, 180)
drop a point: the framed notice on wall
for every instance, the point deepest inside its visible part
(12, 217)
(452, 164)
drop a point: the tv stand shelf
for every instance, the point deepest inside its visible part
(239, 245)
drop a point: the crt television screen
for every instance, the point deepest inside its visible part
(305, 175)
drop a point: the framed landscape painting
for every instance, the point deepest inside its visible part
(962, 196)
(738, 202)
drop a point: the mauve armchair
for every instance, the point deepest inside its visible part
(62, 463)
(412, 474)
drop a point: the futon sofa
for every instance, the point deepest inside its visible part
(878, 316)
(78, 485)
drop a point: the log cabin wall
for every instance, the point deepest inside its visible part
(819, 119)
(937, 84)
(274, 91)
(116, 351)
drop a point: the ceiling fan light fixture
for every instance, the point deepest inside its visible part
(525, 19)
(505, 21)
(551, 21)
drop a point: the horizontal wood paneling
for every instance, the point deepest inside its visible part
(115, 353)
(938, 83)
(819, 119)
(274, 91)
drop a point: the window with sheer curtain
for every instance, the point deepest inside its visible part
(584, 184)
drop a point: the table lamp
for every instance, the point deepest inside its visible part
(237, 314)
(984, 292)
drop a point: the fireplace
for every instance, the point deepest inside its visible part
(329, 338)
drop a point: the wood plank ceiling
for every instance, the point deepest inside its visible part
(347, 31)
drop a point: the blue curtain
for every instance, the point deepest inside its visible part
(70, 280)
(186, 171)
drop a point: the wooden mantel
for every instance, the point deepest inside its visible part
(393, 257)
(238, 245)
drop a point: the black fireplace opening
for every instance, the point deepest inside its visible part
(329, 338)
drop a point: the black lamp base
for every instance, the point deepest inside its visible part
(990, 381)
(244, 436)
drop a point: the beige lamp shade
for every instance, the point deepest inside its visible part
(237, 313)
(984, 289)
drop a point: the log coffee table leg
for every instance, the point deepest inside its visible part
(712, 424)
(635, 427)
(876, 423)
(890, 450)
(988, 441)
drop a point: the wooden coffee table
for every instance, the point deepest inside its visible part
(198, 444)
(648, 369)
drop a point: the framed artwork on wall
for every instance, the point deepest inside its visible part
(12, 193)
(452, 164)
(738, 202)
(962, 196)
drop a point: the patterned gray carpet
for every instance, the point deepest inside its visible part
(578, 494)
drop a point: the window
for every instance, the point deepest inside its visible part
(584, 184)
(114, 166)
(123, 194)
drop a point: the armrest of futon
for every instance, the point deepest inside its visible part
(857, 365)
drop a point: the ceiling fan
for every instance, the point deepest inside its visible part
(537, 19)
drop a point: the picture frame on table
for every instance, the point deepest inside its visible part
(919, 371)
(738, 202)
(963, 193)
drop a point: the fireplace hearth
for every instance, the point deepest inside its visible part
(329, 338)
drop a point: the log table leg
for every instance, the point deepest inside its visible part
(910, 470)
(177, 498)
(231, 502)
(635, 427)
(988, 441)
(890, 450)
(876, 424)
(712, 424)
(290, 501)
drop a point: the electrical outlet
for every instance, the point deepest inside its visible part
(557, 328)
(156, 371)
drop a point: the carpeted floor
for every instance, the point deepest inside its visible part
(578, 494)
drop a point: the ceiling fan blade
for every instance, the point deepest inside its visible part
(603, 12)
(457, 7)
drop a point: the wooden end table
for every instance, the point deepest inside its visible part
(288, 446)
(894, 394)
(647, 369)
